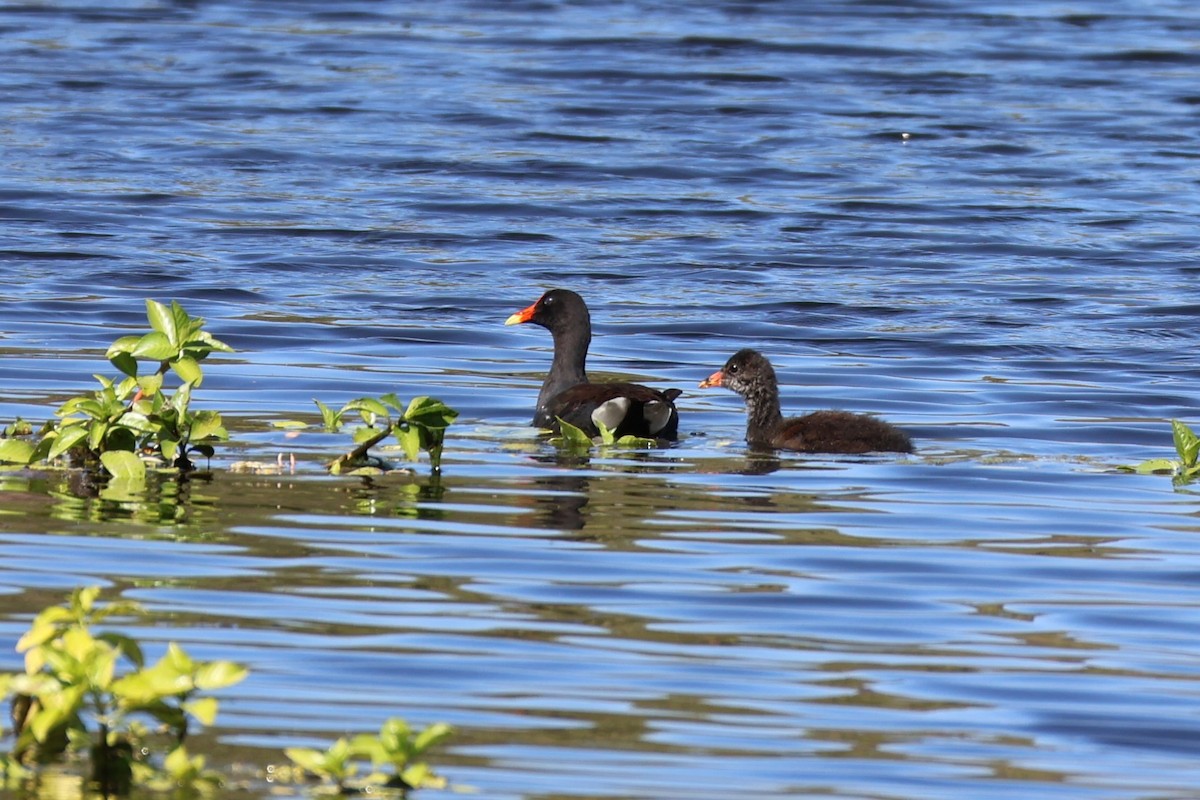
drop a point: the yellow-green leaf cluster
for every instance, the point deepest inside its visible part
(393, 753)
(419, 426)
(89, 690)
(575, 440)
(136, 414)
(1187, 447)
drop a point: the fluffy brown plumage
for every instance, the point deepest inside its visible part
(749, 374)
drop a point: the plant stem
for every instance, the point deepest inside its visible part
(360, 452)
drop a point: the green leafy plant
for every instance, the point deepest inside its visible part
(133, 416)
(396, 754)
(336, 764)
(575, 440)
(421, 425)
(19, 427)
(179, 771)
(71, 698)
(401, 751)
(1187, 447)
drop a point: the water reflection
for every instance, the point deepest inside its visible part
(558, 502)
(570, 600)
(75, 496)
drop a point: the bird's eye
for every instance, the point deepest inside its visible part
(732, 369)
(547, 300)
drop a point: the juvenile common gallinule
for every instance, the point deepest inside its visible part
(750, 375)
(624, 408)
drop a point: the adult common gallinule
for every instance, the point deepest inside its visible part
(624, 408)
(750, 375)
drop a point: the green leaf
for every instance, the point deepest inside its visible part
(101, 664)
(178, 659)
(42, 631)
(57, 614)
(361, 435)
(56, 709)
(155, 346)
(126, 644)
(95, 437)
(204, 709)
(431, 736)
(629, 440)
(125, 344)
(1187, 444)
(364, 744)
(206, 424)
(78, 643)
(367, 406)
(124, 464)
(83, 599)
(219, 674)
(183, 768)
(116, 608)
(185, 324)
(170, 676)
(82, 405)
(606, 436)
(333, 763)
(182, 398)
(332, 420)
(571, 437)
(137, 688)
(393, 400)
(410, 440)
(162, 320)
(150, 384)
(42, 451)
(65, 667)
(125, 388)
(1156, 465)
(15, 451)
(19, 427)
(430, 412)
(188, 370)
(421, 776)
(125, 362)
(68, 436)
(214, 343)
(121, 437)
(307, 758)
(394, 733)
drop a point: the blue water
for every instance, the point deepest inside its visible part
(978, 220)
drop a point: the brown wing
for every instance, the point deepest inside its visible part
(840, 432)
(626, 408)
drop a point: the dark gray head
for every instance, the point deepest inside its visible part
(749, 374)
(565, 315)
(558, 311)
(746, 372)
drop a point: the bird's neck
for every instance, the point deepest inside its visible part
(568, 367)
(763, 416)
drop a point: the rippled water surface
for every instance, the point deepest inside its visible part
(978, 220)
